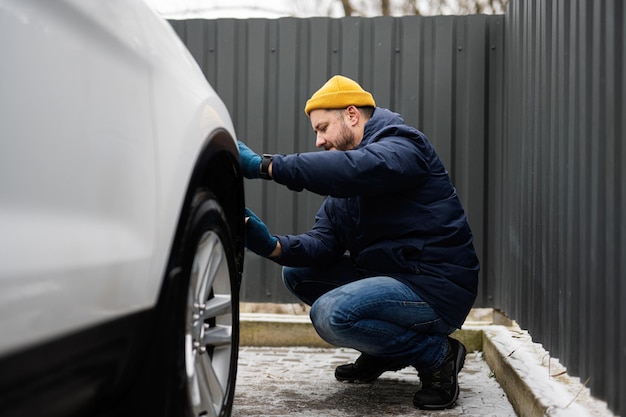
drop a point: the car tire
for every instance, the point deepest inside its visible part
(203, 314)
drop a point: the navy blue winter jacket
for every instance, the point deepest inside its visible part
(392, 206)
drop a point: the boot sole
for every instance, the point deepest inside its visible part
(368, 379)
(358, 380)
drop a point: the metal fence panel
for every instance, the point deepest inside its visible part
(557, 258)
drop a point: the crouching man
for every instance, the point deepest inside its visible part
(389, 266)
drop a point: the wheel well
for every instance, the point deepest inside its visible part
(217, 168)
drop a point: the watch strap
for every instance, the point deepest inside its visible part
(266, 160)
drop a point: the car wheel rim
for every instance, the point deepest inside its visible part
(208, 340)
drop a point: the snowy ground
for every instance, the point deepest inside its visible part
(300, 381)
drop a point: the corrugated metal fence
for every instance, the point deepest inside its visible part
(557, 186)
(526, 111)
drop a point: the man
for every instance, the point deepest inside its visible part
(389, 267)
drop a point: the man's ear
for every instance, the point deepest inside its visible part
(354, 115)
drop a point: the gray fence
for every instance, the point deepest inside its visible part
(526, 111)
(557, 186)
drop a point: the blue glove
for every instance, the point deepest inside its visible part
(258, 237)
(250, 161)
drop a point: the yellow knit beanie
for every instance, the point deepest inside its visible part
(339, 92)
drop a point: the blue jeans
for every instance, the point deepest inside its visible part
(379, 316)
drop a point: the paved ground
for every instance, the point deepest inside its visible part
(300, 381)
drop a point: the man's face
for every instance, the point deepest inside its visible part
(332, 130)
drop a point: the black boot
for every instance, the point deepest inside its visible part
(366, 369)
(440, 388)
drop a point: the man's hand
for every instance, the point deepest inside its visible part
(250, 161)
(258, 237)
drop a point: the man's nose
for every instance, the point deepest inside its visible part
(319, 141)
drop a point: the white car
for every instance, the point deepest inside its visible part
(121, 217)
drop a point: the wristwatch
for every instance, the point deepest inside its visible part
(266, 160)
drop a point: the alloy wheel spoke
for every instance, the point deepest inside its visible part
(212, 392)
(208, 256)
(219, 305)
(218, 336)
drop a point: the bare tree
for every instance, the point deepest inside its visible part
(419, 7)
(347, 7)
(368, 8)
(385, 7)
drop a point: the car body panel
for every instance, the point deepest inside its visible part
(91, 186)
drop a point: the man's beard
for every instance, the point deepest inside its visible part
(347, 139)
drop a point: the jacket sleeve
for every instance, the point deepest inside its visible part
(319, 246)
(388, 165)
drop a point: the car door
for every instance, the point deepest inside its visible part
(77, 170)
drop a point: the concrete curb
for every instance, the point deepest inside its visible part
(259, 329)
(524, 401)
(535, 386)
(296, 330)
(536, 383)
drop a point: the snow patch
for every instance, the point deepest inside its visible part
(561, 394)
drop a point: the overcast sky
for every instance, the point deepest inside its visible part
(242, 9)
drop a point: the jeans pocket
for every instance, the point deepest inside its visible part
(429, 326)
